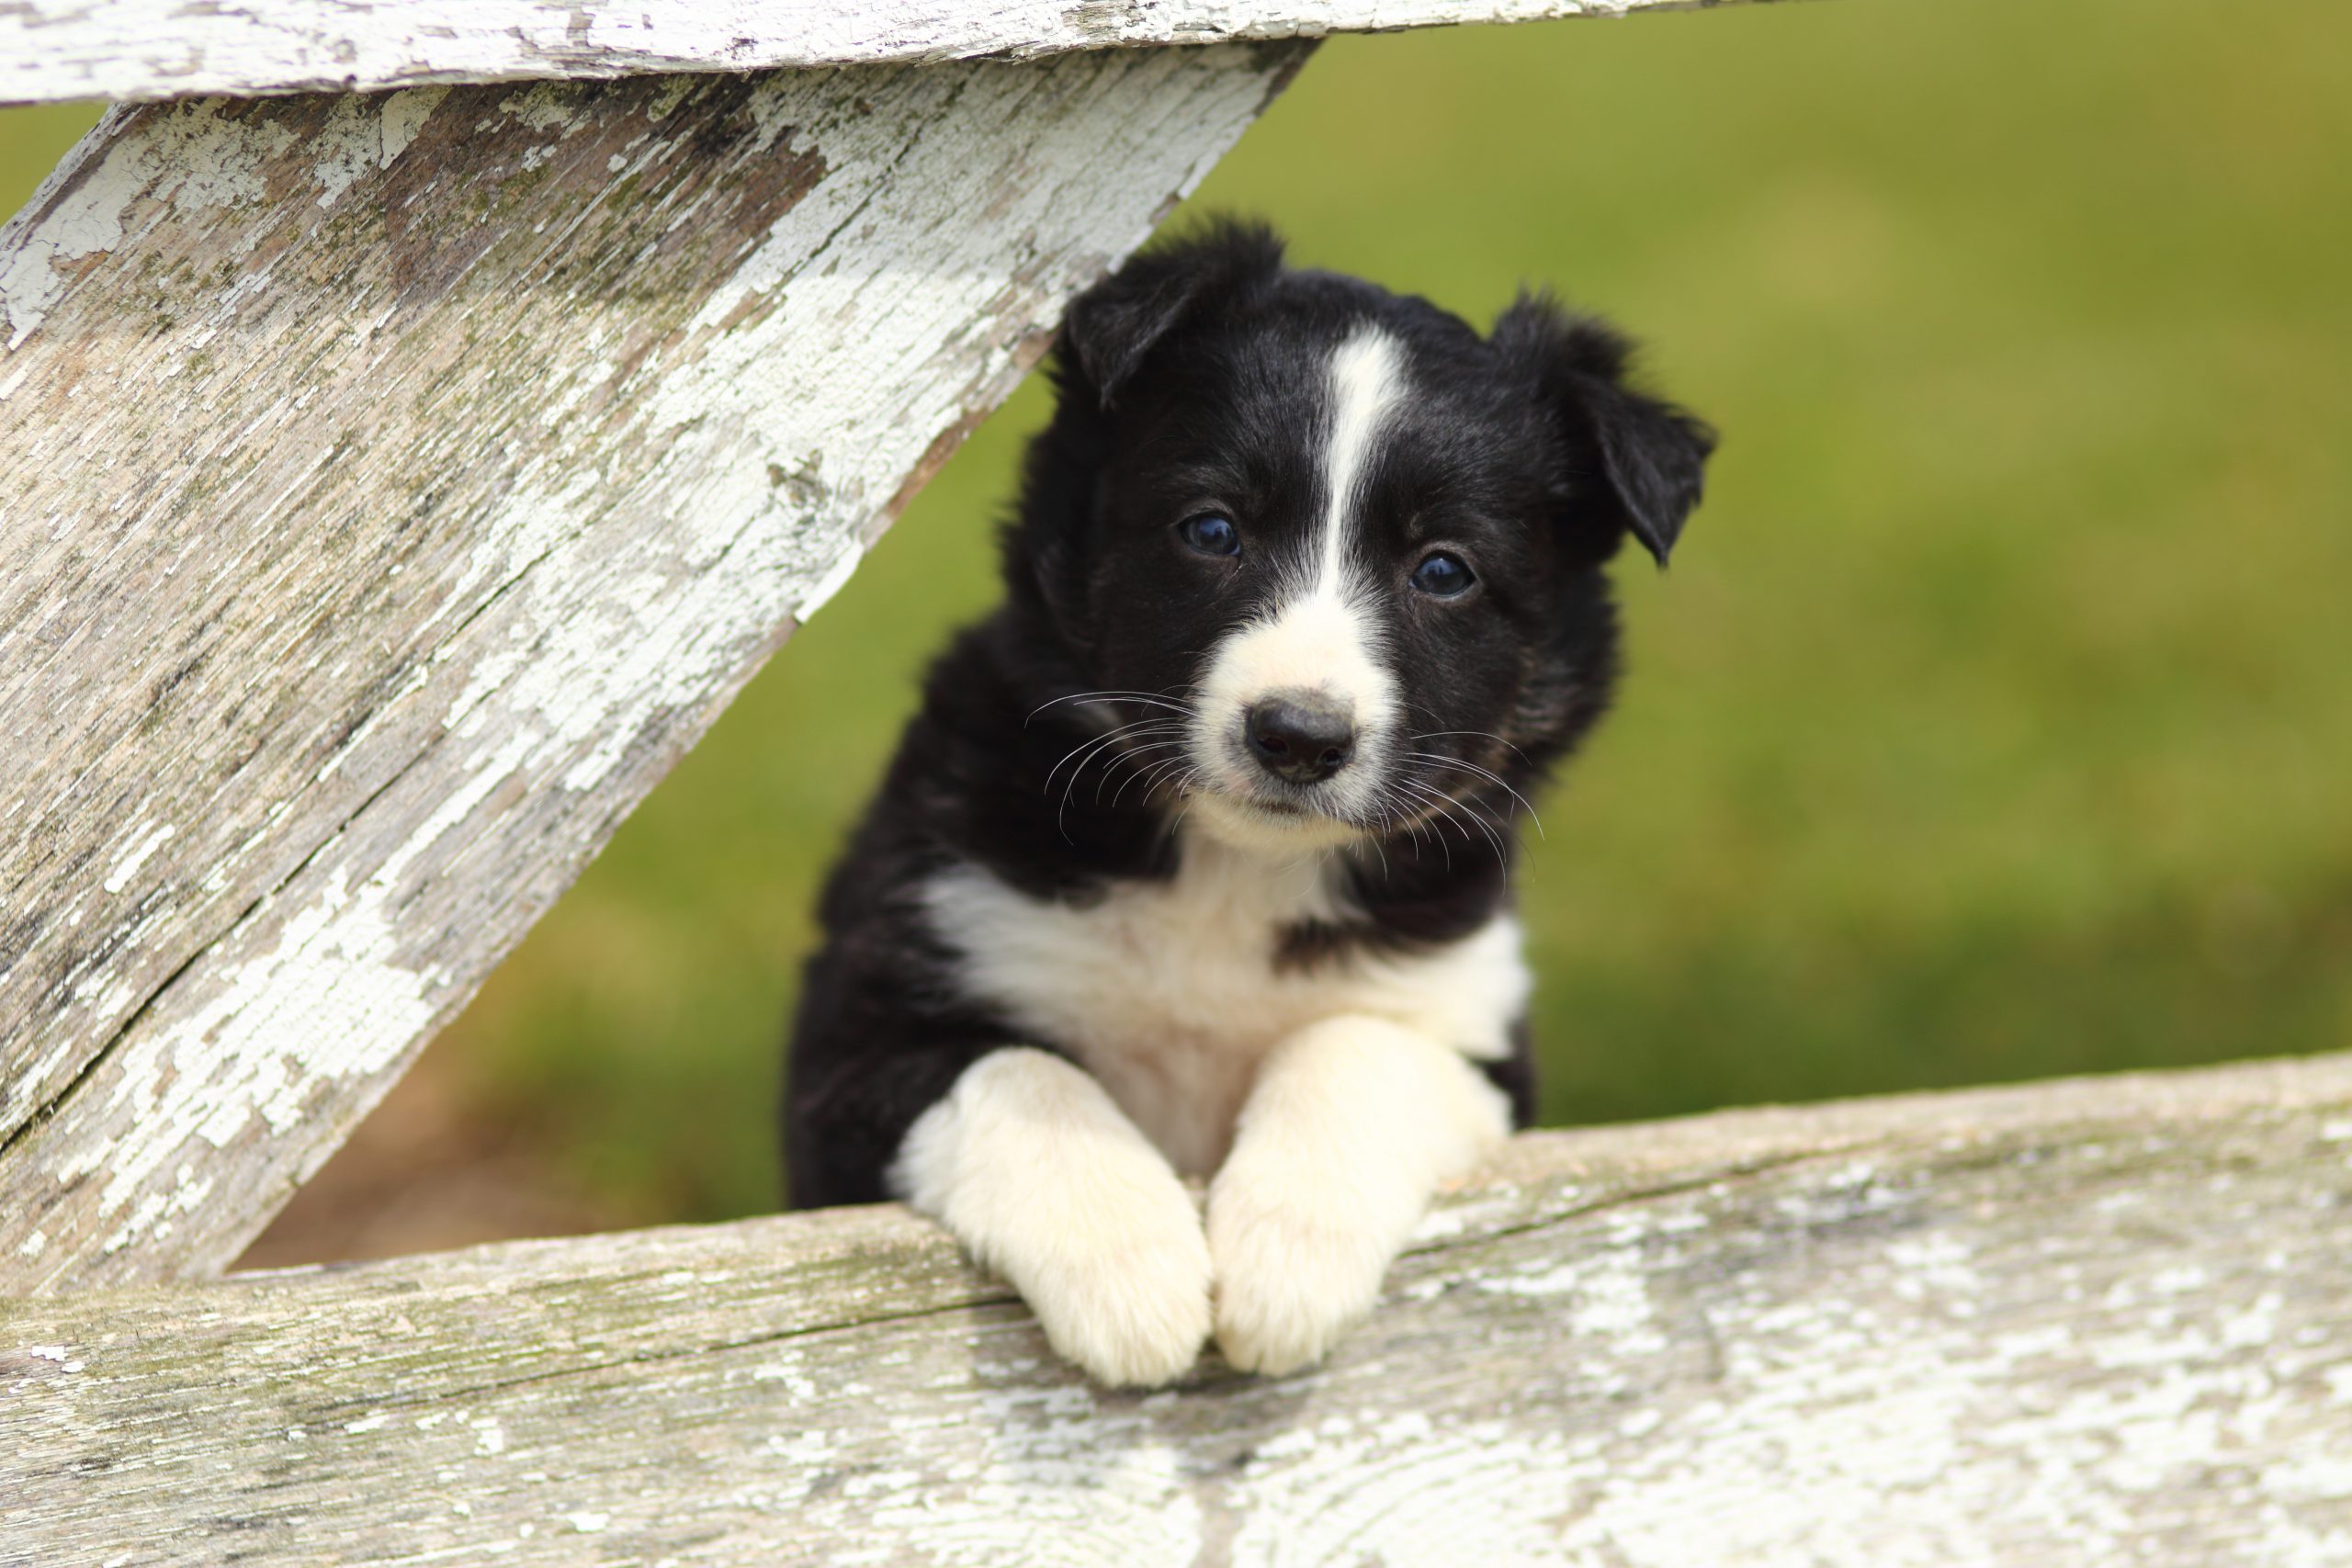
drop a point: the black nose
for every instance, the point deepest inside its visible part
(1300, 738)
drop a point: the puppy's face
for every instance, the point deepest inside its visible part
(1354, 546)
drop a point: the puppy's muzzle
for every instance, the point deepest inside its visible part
(1300, 735)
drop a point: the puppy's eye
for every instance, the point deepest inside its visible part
(1442, 576)
(1212, 533)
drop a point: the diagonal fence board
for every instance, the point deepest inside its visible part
(395, 485)
(2095, 1321)
(143, 49)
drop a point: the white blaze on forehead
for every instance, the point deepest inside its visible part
(1367, 380)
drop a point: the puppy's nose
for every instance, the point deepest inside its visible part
(1300, 736)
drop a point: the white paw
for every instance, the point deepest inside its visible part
(1043, 1180)
(1132, 1310)
(1290, 1281)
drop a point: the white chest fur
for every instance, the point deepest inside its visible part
(1170, 993)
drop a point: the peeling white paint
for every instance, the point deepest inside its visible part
(1445, 1222)
(57, 49)
(327, 1002)
(136, 856)
(364, 135)
(404, 115)
(347, 146)
(189, 159)
(836, 578)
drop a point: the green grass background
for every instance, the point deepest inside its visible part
(1997, 717)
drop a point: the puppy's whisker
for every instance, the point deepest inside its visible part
(1061, 813)
(1430, 803)
(1473, 735)
(1421, 842)
(1446, 804)
(1150, 788)
(1096, 743)
(1418, 819)
(1496, 779)
(1411, 822)
(1110, 735)
(1134, 757)
(1152, 699)
(1389, 820)
(1183, 787)
(1067, 789)
(1495, 833)
(1131, 758)
(1398, 813)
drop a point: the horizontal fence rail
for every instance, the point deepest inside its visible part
(2095, 1321)
(142, 49)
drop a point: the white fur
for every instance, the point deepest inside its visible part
(1367, 380)
(1168, 993)
(1037, 1173)
(1353, 1123)
(1318, 637)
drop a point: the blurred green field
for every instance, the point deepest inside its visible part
(1995, 718)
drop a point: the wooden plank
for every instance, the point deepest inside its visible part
(2100, 1322)
(144, 49)
(396, 485)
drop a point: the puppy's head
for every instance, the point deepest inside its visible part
(1351, 545)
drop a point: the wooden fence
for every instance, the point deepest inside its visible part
(2100, 1322)
(394, 482)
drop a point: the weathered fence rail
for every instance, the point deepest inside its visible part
(138, 50)
(2097, 1322)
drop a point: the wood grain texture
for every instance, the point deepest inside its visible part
(142, 49)
(2090, 1323)
(395, 485)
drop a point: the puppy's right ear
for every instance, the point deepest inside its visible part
(1113, 325)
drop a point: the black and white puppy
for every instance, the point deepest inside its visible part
(1198, 859)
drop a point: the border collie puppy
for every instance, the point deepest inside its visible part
(1197, 860)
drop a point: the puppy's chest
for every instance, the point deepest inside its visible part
(1172, 993)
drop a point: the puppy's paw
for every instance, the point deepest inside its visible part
(1114, 1265)
(1043, 1180)
(1132, 1311)
(1290, 1279)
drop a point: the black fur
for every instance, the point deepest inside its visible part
(1191, 378)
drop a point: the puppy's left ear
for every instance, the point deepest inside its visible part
(1649, 456)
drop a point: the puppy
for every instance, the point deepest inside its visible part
(1197, 860)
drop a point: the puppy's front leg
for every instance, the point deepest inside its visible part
(1351, 1125)
(1043, 1179)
